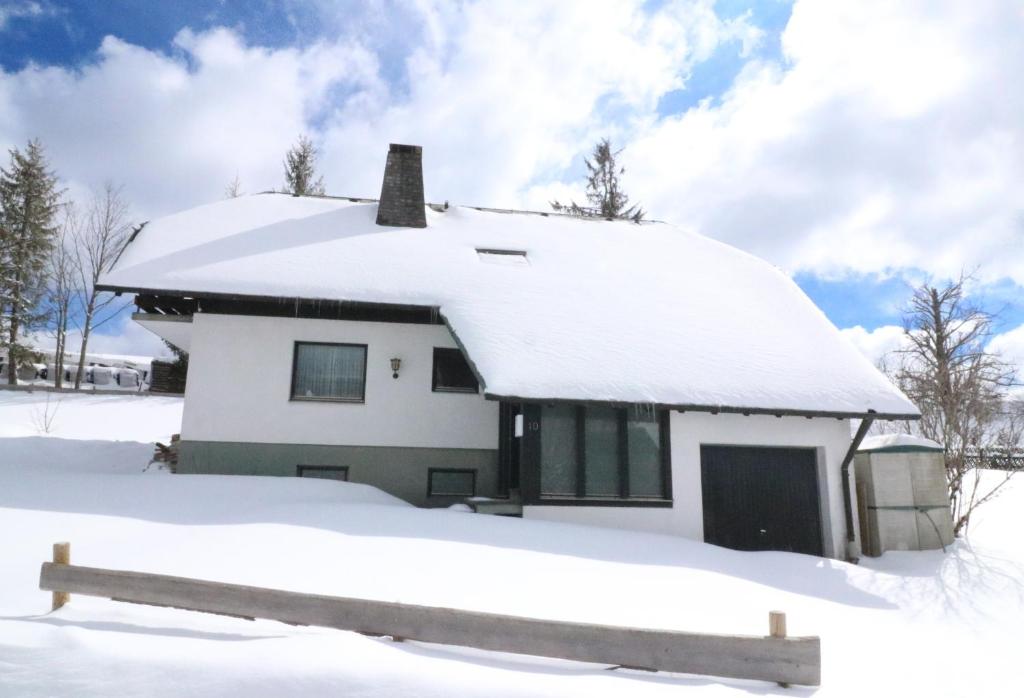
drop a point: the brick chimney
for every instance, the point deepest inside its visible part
(401, 194)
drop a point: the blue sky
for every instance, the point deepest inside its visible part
(766, 124)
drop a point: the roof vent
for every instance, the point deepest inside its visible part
(401, 194)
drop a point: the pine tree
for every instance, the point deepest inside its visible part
(300, 170)
(179, 368)
(607, 199)
(29, 203)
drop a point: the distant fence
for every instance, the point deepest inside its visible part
(786, 660)
(995, 461)
(90, 390)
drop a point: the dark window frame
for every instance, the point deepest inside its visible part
(435, 388)
(295, 363)
(531, 460)
(450, 471)
(300, 469)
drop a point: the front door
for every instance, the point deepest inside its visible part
(761, 498)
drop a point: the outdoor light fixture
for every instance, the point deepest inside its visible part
(396, 364)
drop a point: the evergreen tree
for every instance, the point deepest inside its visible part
(606, 198)
(179, 368)
(300, 177)
(29, 203)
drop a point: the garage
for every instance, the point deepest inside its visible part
(761, 498)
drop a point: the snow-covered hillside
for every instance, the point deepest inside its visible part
(907, 624)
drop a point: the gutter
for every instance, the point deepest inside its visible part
(716, 409)
(862, 430)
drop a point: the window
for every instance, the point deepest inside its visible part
(598, 453)
(329, 372)
(324, 472)
(451, 373)
(451, 482)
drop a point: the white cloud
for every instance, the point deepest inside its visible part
(21, 10)
(176, 129)
(1010, 346)
(500, 94)
(878, 343)
(889, 137)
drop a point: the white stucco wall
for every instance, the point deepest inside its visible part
(688, 431)
(239, 383)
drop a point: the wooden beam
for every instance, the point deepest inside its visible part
(786, 660)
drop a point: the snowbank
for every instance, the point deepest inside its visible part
(599, 310)
(129, 417)
(887, 626)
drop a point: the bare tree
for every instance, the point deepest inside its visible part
(62, 286)
(960, 388)
(234, 188)
(606, 197)
(97, 247)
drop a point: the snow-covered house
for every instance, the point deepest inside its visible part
(606, 372)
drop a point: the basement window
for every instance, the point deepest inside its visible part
(324, 472)
(512, 258)
(451, 482)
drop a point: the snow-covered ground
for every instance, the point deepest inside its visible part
(907, 624)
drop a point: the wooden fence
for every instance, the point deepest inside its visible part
(786, 660)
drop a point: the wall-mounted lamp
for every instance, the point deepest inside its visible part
(396, 364)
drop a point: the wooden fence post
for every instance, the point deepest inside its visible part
(777, 628)
(61, 556)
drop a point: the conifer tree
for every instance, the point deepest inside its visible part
(29, 203)
(605, 196)
(300, 177)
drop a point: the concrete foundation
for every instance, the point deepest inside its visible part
(403, 472)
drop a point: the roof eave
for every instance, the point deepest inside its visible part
(724, 409)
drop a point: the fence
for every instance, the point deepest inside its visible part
(786, 660)
(995, 460)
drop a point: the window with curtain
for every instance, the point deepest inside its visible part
(329, 372)
(602, 453)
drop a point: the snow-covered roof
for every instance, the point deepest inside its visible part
(596, 310)
(898, 442)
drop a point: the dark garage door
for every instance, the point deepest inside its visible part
(759, 498)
